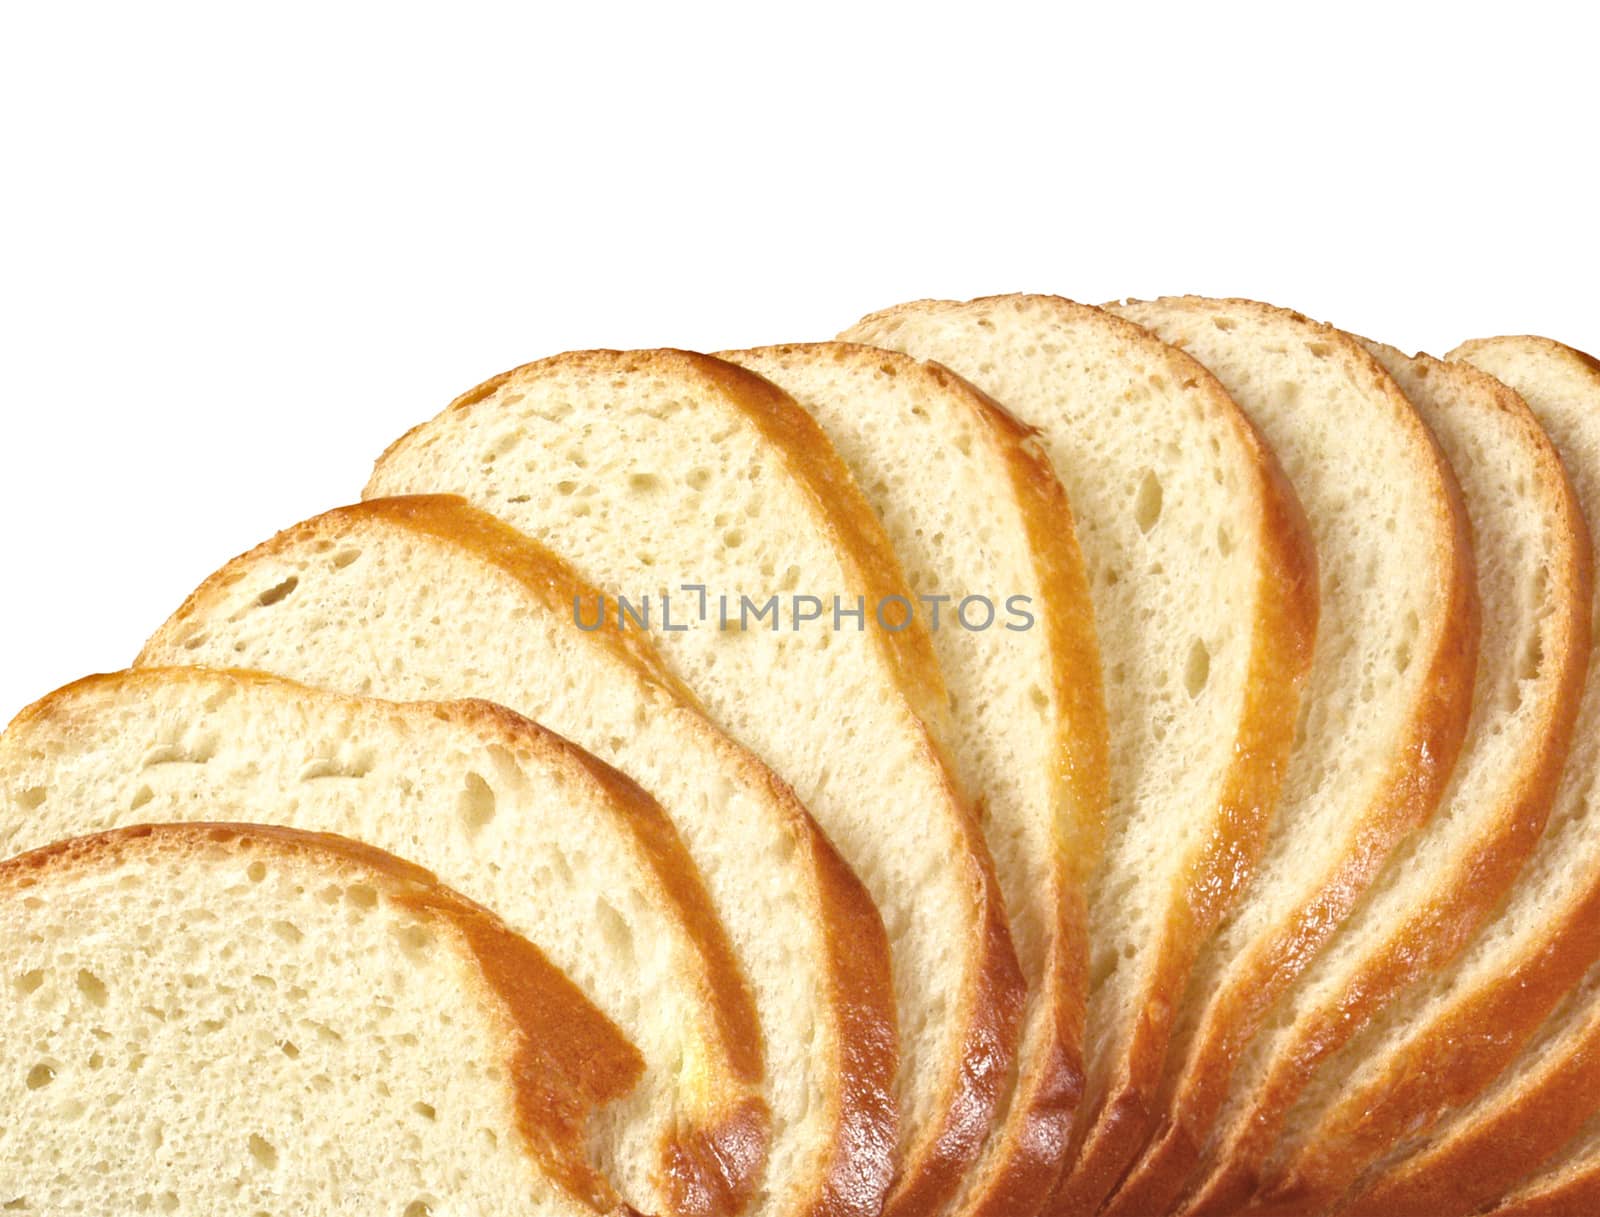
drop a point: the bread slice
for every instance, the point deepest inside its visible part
(660, 472)
(1534, 582)
(571, 854)
(1389, 695)
(1439, 1083)
(972, 508)
(1203, 581)
(230, 1018)
(427, 598)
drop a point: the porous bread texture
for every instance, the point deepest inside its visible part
(427, 598)
(1534, 582)
(577, 860)
(1203, 585)
(1495, 1068)
(1388, 697)
(649, 470)
(972, 508)
(199, 1021)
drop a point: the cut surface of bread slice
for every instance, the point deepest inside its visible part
(1440, 1084)
(1534, 582)
(227, 1018)
(1202, 575)
(976, 515)
(656, 473)
(1387, 701)
(571, 854)
(427, 599)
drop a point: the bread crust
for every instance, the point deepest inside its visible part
(549, 1023)
(1464, 899)
(989, 1011)
(1025, 1151)
(1481, 1035)
(1414, 780)
(860, 996)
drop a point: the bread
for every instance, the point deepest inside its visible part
(425, 599)
(972, 508)
(1203, 582)
(227, 1018)
(1534, 582)
(1388, 698)
(653, 470)
(1510, 997)
(570, 853)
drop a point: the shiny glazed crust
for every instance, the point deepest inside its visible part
(859, 1002)
(1464, 899)
(1416, 775)
(989, 1011)
(549, 1022)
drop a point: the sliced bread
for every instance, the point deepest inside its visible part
(1203, 583)
(426, 599)
(571, 854)
(230, 1018)
(1534, 582)
(659, 472)
(1439, 1082)
(1388, 698)
(976, 516)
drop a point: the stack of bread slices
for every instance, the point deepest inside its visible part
(1016, 759)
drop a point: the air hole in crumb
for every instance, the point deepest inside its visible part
(414, 940)
(643, 483)
(362, 895)
(92, 987)
(288, 931)
(29, 982)
(264, 1152)
(1198, 669)
(1147, 503)
(421, 1207)
(41, 1075)
(477, 803)
(281, 591)
(32, 798)
(1320, 349)
(699, 479)
(425, 1110)
(257, 872)
(1224, 540)
(344, 558)
(289, 1049)
(1225, 324)
(140, 797)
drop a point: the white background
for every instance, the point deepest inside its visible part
(243, 247)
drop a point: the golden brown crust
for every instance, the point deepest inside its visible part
(1481, 1033)
(1461, 901)
(1415, 778)
(860, 994)
(989, 1012)
(1052, 1085)
(553, 1025)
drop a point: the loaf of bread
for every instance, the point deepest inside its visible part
(236, 1019)
(1017, 759)
(427, 598)
(653, 470)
